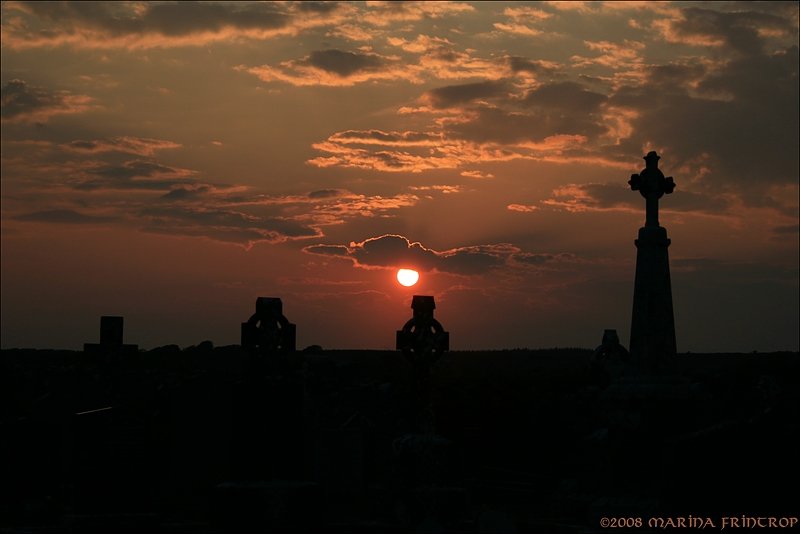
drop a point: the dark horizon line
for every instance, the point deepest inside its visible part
(311, 349)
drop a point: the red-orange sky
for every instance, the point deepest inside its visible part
(171, 162)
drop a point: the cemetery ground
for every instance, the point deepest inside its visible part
(215, 440)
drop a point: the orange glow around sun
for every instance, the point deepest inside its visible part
(407, 277)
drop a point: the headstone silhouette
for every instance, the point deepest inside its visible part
(610, 359)
(422, 458)
(610, 348)
(111, 329)
(653, 323)
(422, 337)
(423, 340)
(268, 330)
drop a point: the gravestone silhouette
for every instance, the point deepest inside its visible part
(422, 338)
(111, 329)
(610, 359)
(652, 341)
(422, 341)
(268, 331)
(610, 347)
(422, 458)
(264, 493)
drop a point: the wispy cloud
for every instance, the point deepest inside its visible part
(393, 251)
(140, 146)
(615, 197)
(745, 31)
(145, 25)
(626, 55)
(446, 189)
(334, 68)
(455, 95)
(522, 208)
(138, 25)
(129, 175)
(353, 32)
(445, 62)
(426, 58)
(472, 173)
(389, 12)
(78, 187)
(489, 121)
(378, 137)
(26, 103)
(526, 13)
(224, 224)
(521, 19)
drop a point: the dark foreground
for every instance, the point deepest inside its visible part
(213, 440)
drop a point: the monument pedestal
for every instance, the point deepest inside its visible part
(653, 323)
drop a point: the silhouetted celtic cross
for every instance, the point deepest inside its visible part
(652, 185)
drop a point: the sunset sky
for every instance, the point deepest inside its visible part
(172, 162)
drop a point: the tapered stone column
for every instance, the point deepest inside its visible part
(653, 322)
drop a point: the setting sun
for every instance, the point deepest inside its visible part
(407, 277)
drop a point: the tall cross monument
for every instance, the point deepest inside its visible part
(653, 323)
